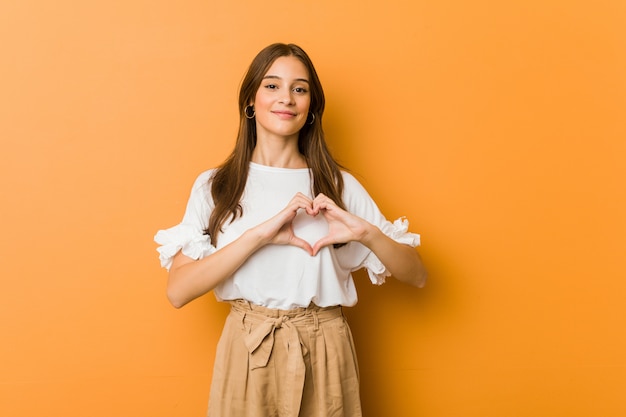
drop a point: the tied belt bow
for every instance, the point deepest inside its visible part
(260, 343)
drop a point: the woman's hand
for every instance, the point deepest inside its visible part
(279, 229)
(343, 226)
(402, 261)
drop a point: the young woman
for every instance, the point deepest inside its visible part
(276, 231)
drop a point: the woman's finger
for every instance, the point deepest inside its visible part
(323, 242)
(301, 243)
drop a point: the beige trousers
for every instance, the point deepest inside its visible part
(285, 363)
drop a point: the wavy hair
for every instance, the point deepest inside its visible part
(229, 180)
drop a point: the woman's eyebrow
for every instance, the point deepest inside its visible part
(276, 77)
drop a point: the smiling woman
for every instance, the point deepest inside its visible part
(277, 231)
(281, 106)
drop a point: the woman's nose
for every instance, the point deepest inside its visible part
(286, 97)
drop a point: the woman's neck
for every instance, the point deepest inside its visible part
(278, 154)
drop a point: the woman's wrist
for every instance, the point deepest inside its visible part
(369, 234)
(254, 239)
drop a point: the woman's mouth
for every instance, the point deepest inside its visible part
(283, 114)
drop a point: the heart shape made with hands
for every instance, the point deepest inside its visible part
(310, 228)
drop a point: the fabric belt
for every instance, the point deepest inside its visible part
(260, 339)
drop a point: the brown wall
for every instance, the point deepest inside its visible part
(497, 128)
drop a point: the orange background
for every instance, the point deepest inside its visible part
(496, 127)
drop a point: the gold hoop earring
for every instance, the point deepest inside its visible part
(312, 119)
(247, 113)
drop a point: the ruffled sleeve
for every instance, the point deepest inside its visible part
(193, 243)
(398, 231)
(189, 236)
(357, 256)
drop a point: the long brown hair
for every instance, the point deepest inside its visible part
(229, 180)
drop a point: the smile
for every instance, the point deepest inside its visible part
(284, 114)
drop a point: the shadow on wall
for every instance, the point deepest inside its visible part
(395, 328)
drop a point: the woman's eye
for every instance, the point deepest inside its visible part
(270, 86)
(300, 90)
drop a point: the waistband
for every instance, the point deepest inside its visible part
(299, 313)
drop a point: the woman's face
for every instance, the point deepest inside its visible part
(282, 101)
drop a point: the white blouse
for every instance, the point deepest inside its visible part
(282, 276)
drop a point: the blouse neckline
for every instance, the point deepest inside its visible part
(254, 165)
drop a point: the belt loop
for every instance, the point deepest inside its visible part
(316, 320)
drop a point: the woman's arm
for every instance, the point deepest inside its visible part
(401, 260)
(189, 278)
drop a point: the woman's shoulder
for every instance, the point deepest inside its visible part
(204, 177)
(206, 174)
(201, 187)
(350, 182)
(353, 190)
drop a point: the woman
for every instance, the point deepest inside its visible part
(276, 231)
